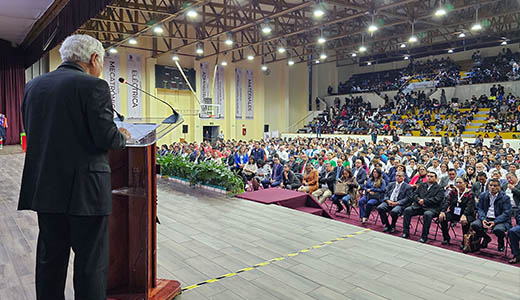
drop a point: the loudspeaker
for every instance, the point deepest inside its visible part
(184, 128)
(266, 127)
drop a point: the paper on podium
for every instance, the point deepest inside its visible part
(137, 131)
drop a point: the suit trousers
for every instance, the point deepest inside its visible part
(514, 239)
(88, 238)
(395, 212)
(322, 194)
(499, 230)
(427, 214)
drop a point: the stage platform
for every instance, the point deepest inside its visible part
(297, 255)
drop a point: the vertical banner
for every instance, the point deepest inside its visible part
(204, 80)
(218, 95)
(134, 76)
(238, 93)
(111, 73)
(249, 95)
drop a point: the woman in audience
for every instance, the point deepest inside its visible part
(289, 180)
(459, 206)
(374, 190)
(444, 171)
(349, 199)
(470, 175)
(249, 170)
(263, 173)
(310, 180)
(419, 177)
(241, 158)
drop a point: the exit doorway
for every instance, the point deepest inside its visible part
(210, 133)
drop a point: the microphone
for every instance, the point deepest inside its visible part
(123, 81)
(119, 116)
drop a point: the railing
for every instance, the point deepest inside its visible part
(301, 123)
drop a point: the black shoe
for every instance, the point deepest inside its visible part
(461, 246)
(340, 208)
(446, 242)
(387, 228)
(423, 240)
(406, 235)
(486, 241)
(392, 229)
(501, 247)
(515, 260)
(363, 221)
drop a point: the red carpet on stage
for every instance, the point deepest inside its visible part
(307, 203)
(292, 199)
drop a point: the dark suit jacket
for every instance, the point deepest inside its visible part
(467, 204)
(277, 172)
(68, 119)
(475, 189)
(516, 194)
(329, 180)
(502, 207)
(361, 176)
(432, 198)
(405, 193)
(291, 179)
(295, 167)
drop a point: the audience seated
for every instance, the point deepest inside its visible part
(427, 201)
(349, 195)
(514, 240)
(494, 214)
(310, 180)
(289, 180)
(373, 194)
(397, 197)
(458, 207)
(327, 179)
(276, 176)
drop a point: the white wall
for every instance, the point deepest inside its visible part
(323, 75)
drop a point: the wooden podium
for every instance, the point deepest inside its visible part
(133, 227)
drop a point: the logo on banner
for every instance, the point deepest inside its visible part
(134, 68)
(111, 74)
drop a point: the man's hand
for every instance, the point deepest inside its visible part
(442, 216)
(485, 224)
(125, 132)
(463, 220)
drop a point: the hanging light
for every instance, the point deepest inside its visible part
(362, 49)
(462, 35)
(476, 26)
(317, 61)
(372, 28)
(323, 56)
(403, 45)
(450, 51)
(412, 39)
(290, 62)
(224, 63)
(200, 48)
(264, 68)
(265, 27)
(132, 41)
(192, 13)
(318, 11)
(229, 39)
(369, 63)
(250, 57)
(321, 40)
(158, 29)
(175, 57)
(406, 57)
(354, 54)
(503, 43)
(281, 49)
(440, 12)
(112, 50)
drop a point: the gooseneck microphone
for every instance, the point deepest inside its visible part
(119, 116)
(122, 80)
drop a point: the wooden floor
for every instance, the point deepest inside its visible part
(203, 236)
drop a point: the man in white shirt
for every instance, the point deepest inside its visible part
(435, 167)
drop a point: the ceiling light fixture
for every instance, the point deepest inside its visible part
(372, 28)
(132, 41)
(175, 57)
(369, 63)
(200, 48)
(229, 39)
(158, 29)
(264, 68)
(403, 45)
(450, 51)
(476, 26)
(321, 40)
(290, 62)
(362, 49)
(406, 57)
(354, 54)
(192, 13)
(112, 50)
(462, 35)
(503, 43)
(440, 12)
(265, 27)
(323, 56)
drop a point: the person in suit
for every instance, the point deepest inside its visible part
(289, 179)
(68, 118)
(374, 192)
(326, 182)
(359, 172)
(514, 240)
(513, 190)
(276, 176)
(293, 165)
(480, 186)
(427, 201)
(493, 213)
(397, 198)
(458, 207)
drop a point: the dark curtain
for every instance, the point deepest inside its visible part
(12, 82)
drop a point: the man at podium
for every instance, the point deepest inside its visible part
(68, 119)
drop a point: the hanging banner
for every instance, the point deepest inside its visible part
(204, 80)
(238, 93)
(111, 73)
(218, 95)
(134, 76)
(249, 95)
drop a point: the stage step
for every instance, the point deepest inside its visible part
(310, 210)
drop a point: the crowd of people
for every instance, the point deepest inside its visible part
(474, 185)
(503, 67)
